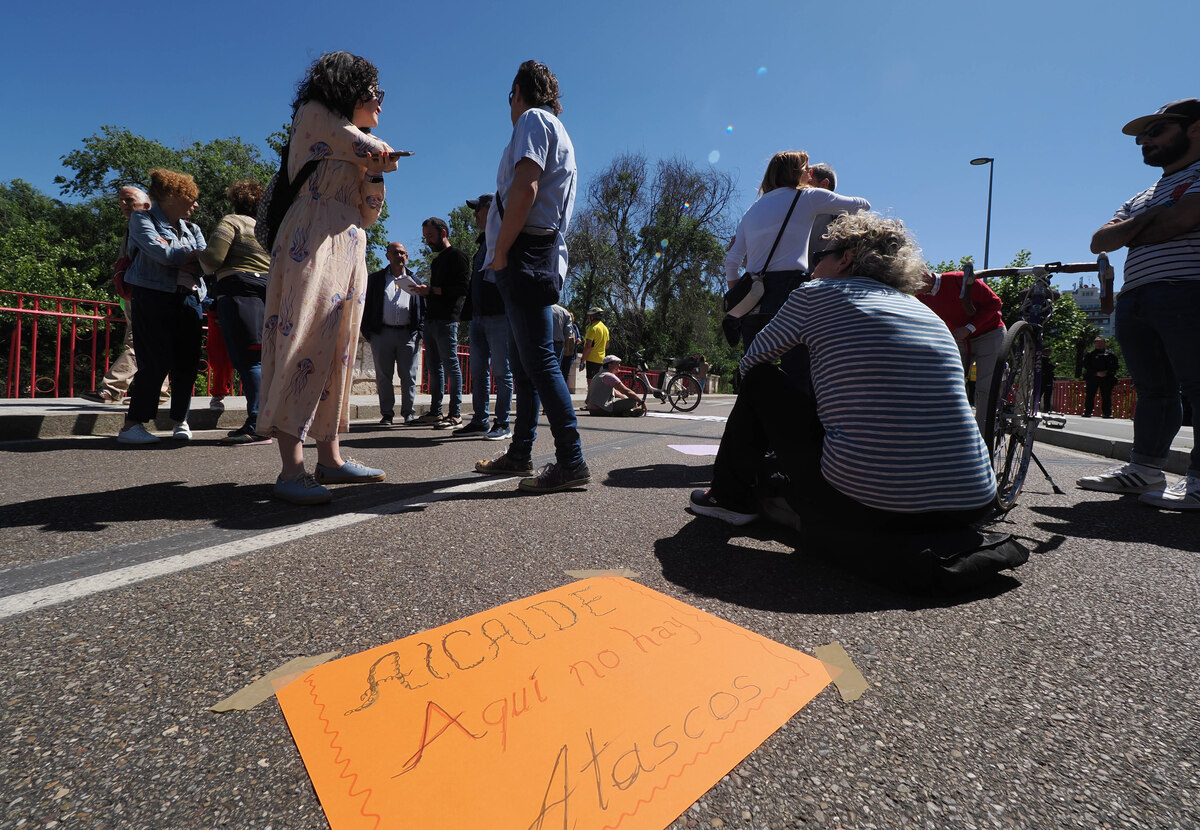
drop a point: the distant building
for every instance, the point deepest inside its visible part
(1087, 297)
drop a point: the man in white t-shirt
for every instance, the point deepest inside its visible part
(1159, 305)
(527, 249)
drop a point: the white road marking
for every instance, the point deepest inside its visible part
(679, 416)
(86, 586)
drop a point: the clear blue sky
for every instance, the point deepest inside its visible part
(897, 97)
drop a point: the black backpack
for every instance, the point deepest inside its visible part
(277, 198)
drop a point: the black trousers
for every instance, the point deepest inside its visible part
(1089, 401)
(773, 414)
(166, 337)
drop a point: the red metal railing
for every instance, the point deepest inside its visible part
(85, 337)
(81, 340)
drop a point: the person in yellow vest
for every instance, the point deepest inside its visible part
(595, 342)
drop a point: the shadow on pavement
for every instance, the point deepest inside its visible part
(1122, 520)
(704, 558)
(225, 505)
(661, 476)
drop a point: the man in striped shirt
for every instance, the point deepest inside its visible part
(890, 442)
(1157, 313)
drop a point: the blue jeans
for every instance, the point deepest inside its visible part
(245, 355)
(538, 379)
(1157, 330)
(489, 345)
(441, 352)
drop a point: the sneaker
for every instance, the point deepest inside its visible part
(1182, 495)
(217, 404)
(449, 422)
(303, 489)
(103, 396)
(351, 472)
(409, 420)
(136, 434)
(475, 428)
(702, 503)
(182, 432)
(504, 465)
(1129, 478)
(430, 418)
(385, 421)
(498, 433)
(555, 477)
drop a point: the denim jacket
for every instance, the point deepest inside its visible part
(160, 250)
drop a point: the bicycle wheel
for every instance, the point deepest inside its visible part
(684, 393)
(1011, 423)
(639, 388)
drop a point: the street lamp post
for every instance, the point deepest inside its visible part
(987, 240)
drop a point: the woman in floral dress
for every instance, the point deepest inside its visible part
(319, 273)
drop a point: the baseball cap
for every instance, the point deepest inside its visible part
(1185, 109)
(610, 358)
(595, 310)
(482, 201)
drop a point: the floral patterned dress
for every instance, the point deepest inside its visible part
(318, 278)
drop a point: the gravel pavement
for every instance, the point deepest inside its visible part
(1063, 696)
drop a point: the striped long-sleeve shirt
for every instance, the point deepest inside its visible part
(899, 433)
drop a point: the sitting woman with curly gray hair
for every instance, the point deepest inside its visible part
(890, 442)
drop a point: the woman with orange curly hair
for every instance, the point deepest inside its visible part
(319, 274)
(165, 296)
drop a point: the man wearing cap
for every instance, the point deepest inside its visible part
(1156, 315)
(604, 386)
(489, 341)
(526, 238)
(595, 342)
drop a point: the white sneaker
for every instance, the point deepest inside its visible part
(136, 434)
(1128, 478)
(182, 432)
(1182, 495)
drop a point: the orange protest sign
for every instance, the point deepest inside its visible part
(601, 704)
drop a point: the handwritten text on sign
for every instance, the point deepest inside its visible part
(601, 704)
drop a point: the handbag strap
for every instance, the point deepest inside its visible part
(782, 228)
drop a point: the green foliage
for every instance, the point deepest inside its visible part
(648, 247)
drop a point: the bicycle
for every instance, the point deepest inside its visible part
(683, 391)
(1010, 426)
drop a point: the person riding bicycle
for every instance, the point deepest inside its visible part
(890, 442)
(605, 386)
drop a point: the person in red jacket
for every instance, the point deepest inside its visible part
(976, 323)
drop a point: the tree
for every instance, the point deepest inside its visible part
(650, 248)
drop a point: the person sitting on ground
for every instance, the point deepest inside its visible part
(604, 386)
(890, 441)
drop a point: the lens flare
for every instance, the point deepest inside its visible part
(663, 244)
(687, 206)
(658, 254)
(729, 129)
(762, 70)
(714, 157)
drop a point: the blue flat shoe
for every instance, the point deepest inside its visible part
(350, 472)
(301, 490)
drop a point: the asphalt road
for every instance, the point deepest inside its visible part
(139, 586)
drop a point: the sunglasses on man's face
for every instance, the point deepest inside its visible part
(1154, 131)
